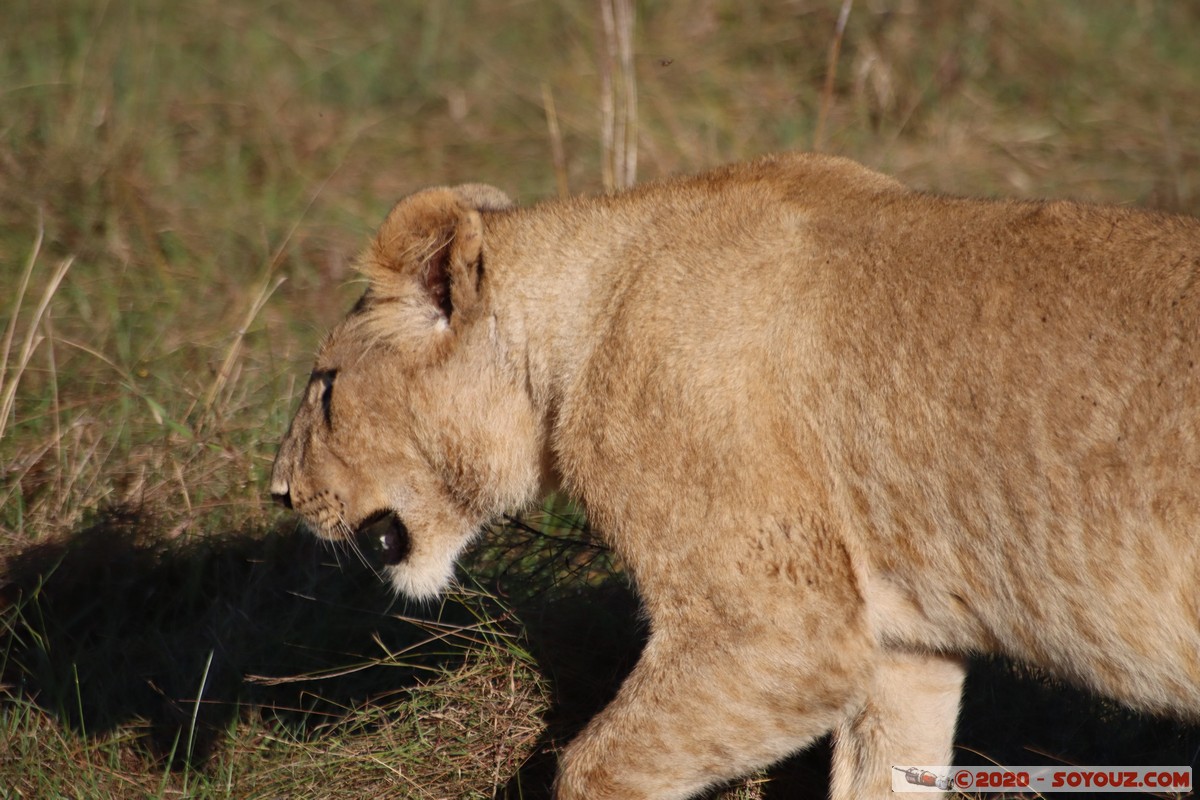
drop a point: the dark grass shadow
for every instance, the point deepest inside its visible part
(116, 625)
(1016, 716)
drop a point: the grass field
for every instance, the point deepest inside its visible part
(183, 187)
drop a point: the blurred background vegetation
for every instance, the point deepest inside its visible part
(183, 188)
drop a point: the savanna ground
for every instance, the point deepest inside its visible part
(183, 188)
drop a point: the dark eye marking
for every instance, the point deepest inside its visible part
(325, 378)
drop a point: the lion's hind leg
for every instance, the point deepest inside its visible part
(907, 720)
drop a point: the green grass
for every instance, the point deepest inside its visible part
(205, 173)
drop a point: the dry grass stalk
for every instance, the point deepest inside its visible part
(618, 96)
(557, 151)
(266, 289)
(11, 329)
(9, 381)
(835, 49)
(628, 160)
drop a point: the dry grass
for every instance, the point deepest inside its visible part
(182, 187)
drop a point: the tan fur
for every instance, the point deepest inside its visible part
(842, 433)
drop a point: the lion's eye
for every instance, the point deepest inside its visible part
(323, 382)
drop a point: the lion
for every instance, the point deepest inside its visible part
(843, 434)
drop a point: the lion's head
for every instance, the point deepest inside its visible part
(415, 428)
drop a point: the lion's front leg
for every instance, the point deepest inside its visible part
(703, 707)
(907, 720)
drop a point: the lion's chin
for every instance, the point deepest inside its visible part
(427, 570)
(420, 582)
(418, 570)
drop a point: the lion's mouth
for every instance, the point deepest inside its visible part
(387, 536)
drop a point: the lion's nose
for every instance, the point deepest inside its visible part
(281, 493)
(388, 535)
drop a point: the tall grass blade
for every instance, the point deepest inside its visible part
(32, 340)
(191, 740)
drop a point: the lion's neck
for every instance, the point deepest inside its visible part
(559, 269)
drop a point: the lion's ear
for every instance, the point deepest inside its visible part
(483, 197)
(425, 263)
